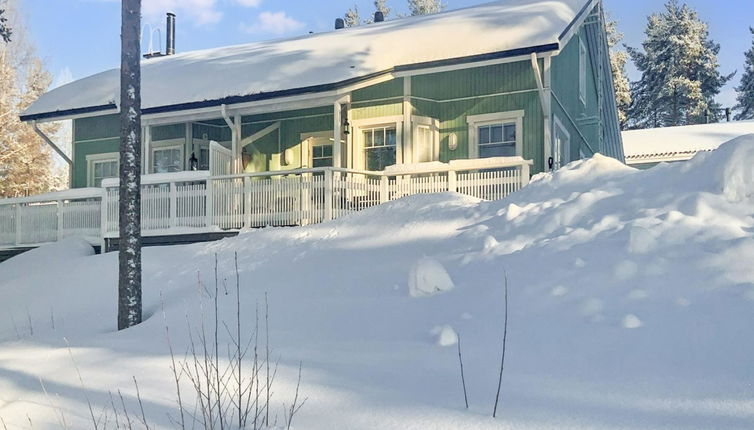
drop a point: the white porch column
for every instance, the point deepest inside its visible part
(405, 150)
(337, 156)
(237, 154)
(147, 149)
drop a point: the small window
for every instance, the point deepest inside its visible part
(322, 156)
(379, 147)
(103, 169)
(582, 71)
(167, 160)
(497, 140)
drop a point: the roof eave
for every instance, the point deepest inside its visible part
(500, 55)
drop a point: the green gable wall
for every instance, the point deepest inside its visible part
(578, 118)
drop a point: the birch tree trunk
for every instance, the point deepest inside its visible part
(129, 280)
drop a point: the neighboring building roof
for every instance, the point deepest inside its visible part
(657, 145)
(325, 61)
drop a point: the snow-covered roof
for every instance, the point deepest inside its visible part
(318, 62)
(680, 143)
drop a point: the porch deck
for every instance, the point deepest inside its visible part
(199, 203)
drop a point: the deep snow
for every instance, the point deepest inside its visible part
(631, 307)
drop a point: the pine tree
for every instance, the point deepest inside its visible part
(618, 60)
(26, 162)
(745, 89)
(5, 31)
(680, 71)
(381, 6)
(425, 7)
(352, 17)
(129, 258)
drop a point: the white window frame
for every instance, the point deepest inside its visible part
(93, 159)
(509, 117)
(563, 153)
(582, 70)
(168, 144)
(434, 127)
(357, 158)
(307, 143)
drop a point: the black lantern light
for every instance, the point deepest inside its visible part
(346, 127)
(193, 163)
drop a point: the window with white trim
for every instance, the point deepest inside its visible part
(582, 71)
(101, 167)
(497, 140)
(496, 134)
(167, 159)
(322, 155)
(380, 145)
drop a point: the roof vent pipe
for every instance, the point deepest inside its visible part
(340, 23)
(170, 35)
(379, 16)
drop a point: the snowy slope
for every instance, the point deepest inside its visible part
(631, 307)
(326, 58)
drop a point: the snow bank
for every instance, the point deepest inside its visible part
(428, 277)
(631, 299)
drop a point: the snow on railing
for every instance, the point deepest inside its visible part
(197, 202)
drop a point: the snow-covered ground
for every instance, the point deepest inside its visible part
(631, 307)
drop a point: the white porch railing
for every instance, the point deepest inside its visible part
(32, 221)
(197, 202)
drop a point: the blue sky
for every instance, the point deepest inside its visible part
(77, 38)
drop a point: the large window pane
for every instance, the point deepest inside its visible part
(497, 140)
(380, 147)
(484, 135)
(168, 160)
(103, 170)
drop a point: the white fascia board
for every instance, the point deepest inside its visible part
(470, 65)
(578, 24)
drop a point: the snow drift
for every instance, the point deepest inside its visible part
(631, 307)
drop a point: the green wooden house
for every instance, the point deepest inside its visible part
(418, 104)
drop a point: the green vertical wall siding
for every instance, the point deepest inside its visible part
(577, 117)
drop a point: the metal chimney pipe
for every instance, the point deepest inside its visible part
(170, 35)
(379, 16)
(340, 24)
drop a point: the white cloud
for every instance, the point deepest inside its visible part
(274, 23)
(249, 3)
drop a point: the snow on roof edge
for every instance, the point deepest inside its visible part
(558, 15)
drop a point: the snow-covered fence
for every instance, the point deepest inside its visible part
(201, 202)
(31, 221)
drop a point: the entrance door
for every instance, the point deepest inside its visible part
(561, 141)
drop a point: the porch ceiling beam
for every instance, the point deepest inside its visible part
(52, 144)
(260, 134)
